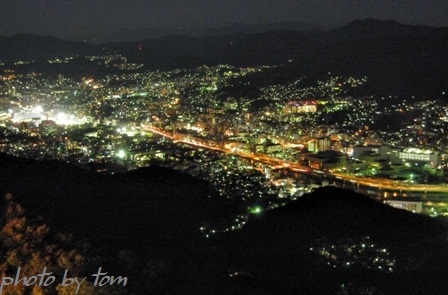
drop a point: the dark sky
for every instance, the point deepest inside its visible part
(67, 18)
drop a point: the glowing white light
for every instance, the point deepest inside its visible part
(121, 154)
(60, 116)
(39, 109)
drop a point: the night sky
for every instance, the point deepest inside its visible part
(70, 18)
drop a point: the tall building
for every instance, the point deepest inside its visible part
(323, 144)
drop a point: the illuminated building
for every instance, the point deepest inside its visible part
(323, 144)
(327, 160)
(429, 157)
(373, 153)
(410, 204)
(4, 115)
(294, 107)
(273, 148)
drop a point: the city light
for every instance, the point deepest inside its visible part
(121, 154)
(256, 210)
(238, 160)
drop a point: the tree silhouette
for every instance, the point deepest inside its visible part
(31, 246)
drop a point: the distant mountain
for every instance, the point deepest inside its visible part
(129, 35)
(261, 28)
(373, 28)
(398, 59)
(237, 49)
(33, 47)
(390, 39)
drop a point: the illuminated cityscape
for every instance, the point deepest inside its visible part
(268, 158)
(184, 120)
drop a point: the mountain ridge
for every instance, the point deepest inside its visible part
(400, 59)
(26, 46)
(135, 35)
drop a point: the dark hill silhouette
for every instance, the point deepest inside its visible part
(29, 47)
(152, 206)
(146, 222)
(279, 242)
(335, 213)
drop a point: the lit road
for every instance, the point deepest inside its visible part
(388, 184)
(385, 184)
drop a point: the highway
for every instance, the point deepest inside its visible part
(385, 184)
